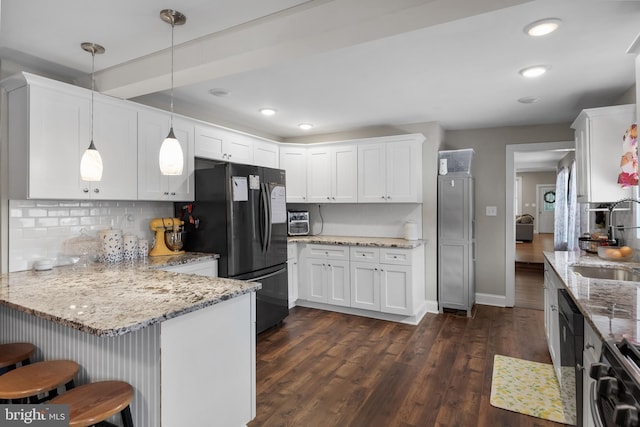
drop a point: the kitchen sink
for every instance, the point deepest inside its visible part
(607, 273)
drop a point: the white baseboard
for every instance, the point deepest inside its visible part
(491, 299)
(427, 307)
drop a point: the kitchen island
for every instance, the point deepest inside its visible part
(186, 343)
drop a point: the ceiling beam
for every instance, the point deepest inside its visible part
(311, 28)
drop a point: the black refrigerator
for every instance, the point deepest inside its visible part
(240, 213)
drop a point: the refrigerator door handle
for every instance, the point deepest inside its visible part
(275, 273)
(265, 217)
(270, 215)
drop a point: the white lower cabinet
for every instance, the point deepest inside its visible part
(384, 280)
(590, 355)
(292, 273)
(327, 277)
(551, 321)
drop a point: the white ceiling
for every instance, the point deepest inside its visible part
(340, 64)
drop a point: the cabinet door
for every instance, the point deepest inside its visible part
(365, 285)
(396, 293)
(372, 177)
(294, 161)
(319, 175)
(344, 163)
(403, 176)
(455, 208)
(208, 142)
(338, 289)
(316, 280)
(265, 154)
(238, 147)
(59, 133)
(116, 138)
(453, 275)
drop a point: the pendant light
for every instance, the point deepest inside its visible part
(171, 158)
(91, 162)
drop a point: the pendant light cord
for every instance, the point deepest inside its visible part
(93, 68)
(172, 27)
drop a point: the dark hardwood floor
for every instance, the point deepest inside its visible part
(529, 271)
(328, 369)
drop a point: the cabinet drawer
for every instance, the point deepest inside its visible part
(329, 251)
(365, 253)
(395, 256)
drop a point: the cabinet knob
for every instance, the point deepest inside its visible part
(173, 194)
(166, 193)
(388, 197)
(96, 190)
(85, 190)
(304, 197)
(589, 346)
(328, 198)
(224, 156)
(229, 156)
(383, 197)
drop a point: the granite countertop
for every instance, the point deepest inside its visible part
(384, 242)
(612, 307)
(114, 299)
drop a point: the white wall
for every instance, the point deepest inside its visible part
(39, 228)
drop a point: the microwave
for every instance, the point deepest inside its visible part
(298, 223)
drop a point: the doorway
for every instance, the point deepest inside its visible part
(512, 151)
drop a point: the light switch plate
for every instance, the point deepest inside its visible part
(492, 210)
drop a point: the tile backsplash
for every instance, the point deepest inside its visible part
(39, 228)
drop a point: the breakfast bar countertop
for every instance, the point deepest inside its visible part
(611, 306)
(114, 299)
(383, 242)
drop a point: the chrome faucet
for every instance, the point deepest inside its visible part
(613, 206)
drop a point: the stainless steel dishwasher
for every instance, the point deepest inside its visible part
(571, 324)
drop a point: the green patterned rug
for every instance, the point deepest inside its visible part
(529, 388)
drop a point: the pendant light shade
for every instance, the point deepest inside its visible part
(91, 161)
(171, 158)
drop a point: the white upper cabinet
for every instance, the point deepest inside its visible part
(266, 154)
(599, 135)
(332, 174)
(212, 142)
(49, 128)
(293, 159)
(389, 171)
(153, 127)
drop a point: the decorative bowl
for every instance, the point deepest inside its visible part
(615, 253)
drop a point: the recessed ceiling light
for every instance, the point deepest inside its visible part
(268, 111)
(542, 27)
(219, 92)
(535, 71)
(529, 100)
(305, 126)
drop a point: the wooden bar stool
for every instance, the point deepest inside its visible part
(27, 382)
(94, 403)
(13, 353)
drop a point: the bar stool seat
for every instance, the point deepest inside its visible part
(93, 403)
(13, 353)
(27, 382)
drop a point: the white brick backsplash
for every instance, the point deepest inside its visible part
(38, 228)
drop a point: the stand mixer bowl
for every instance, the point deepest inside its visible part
(173, 239)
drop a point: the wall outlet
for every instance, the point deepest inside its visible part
(492, 211)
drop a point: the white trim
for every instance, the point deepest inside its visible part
(509, 221)
(491, 299)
